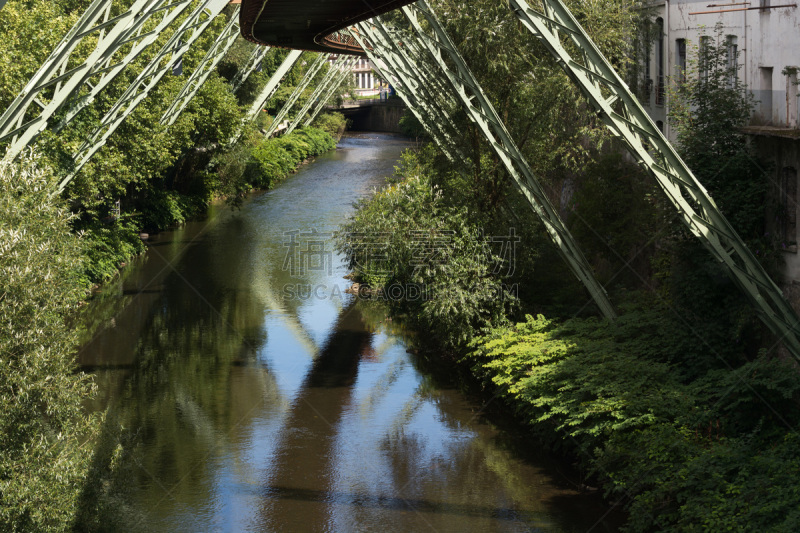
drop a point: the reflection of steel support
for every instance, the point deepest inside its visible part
(323, 85)
(482, 112)
(253, 64)
(221, 45)
(298, 91)
(270, 88)
(630, 123)
(58, 81)
(194, 25)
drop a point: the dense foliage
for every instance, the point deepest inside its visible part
(712, 452)
(681, 410)
(158, 175)
(148, 177)
(42, 424)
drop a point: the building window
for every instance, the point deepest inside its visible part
(732, 56)
(765, 94)
(660, 126)
(660, 62)
(703, 57)
(789, 205)
(680, 54)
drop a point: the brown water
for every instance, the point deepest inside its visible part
(258, 396)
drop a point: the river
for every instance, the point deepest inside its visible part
(256, 395)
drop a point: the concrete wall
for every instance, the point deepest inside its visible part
(378, 117)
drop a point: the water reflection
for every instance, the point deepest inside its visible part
(246, 410)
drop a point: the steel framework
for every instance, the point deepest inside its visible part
(62, 78)
(269, 89)
(342, 62)
(629, 122)
(482, 113)
(253, 64)
(298, 91)
(415, 87)
(221, 45)
(319, 105)
(174, 49)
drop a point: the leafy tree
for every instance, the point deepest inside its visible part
(42, 423)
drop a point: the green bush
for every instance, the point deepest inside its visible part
(714, 451)
(432, 246)
(108, 245)
(43, 428)
(276, 158)
(334, 124)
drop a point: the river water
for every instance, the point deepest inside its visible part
(257, 396)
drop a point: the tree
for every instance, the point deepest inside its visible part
(42, 423)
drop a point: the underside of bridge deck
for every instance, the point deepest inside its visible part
(309, 24)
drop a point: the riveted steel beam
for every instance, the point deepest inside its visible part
(482, 112)
(62, 78)
(418, 86)
(298, 91)
(379, 56)
(180, 42)
(221, 45)
(629, 122)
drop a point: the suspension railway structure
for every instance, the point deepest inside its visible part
(409, 47)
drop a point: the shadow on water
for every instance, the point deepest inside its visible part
(232, 407)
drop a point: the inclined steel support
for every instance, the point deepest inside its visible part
(221, 45)
(342, 62)
(332, 88)
(379, 56)
(298, 91)
(63, 77)
(484, 115)
(253, 64)
(180, 42)
(418, 88)
(629, 122)
(272, 85)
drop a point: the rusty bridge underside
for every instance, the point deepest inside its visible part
(309, 24)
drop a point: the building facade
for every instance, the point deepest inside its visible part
(763, 39)
(365, 81)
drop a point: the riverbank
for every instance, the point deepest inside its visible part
(254, 163)
(675, 410)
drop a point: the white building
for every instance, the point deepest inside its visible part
(764, 38)
(365, 80)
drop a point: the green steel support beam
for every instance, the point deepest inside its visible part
(62, 78)
(323, 85)
(629, 122)
(379, 62)
(298, 91)
(180, 42)
(253, 62)
(269, 89)
(221, 45)
(482, 112)
(417, 88)
(331, 90)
